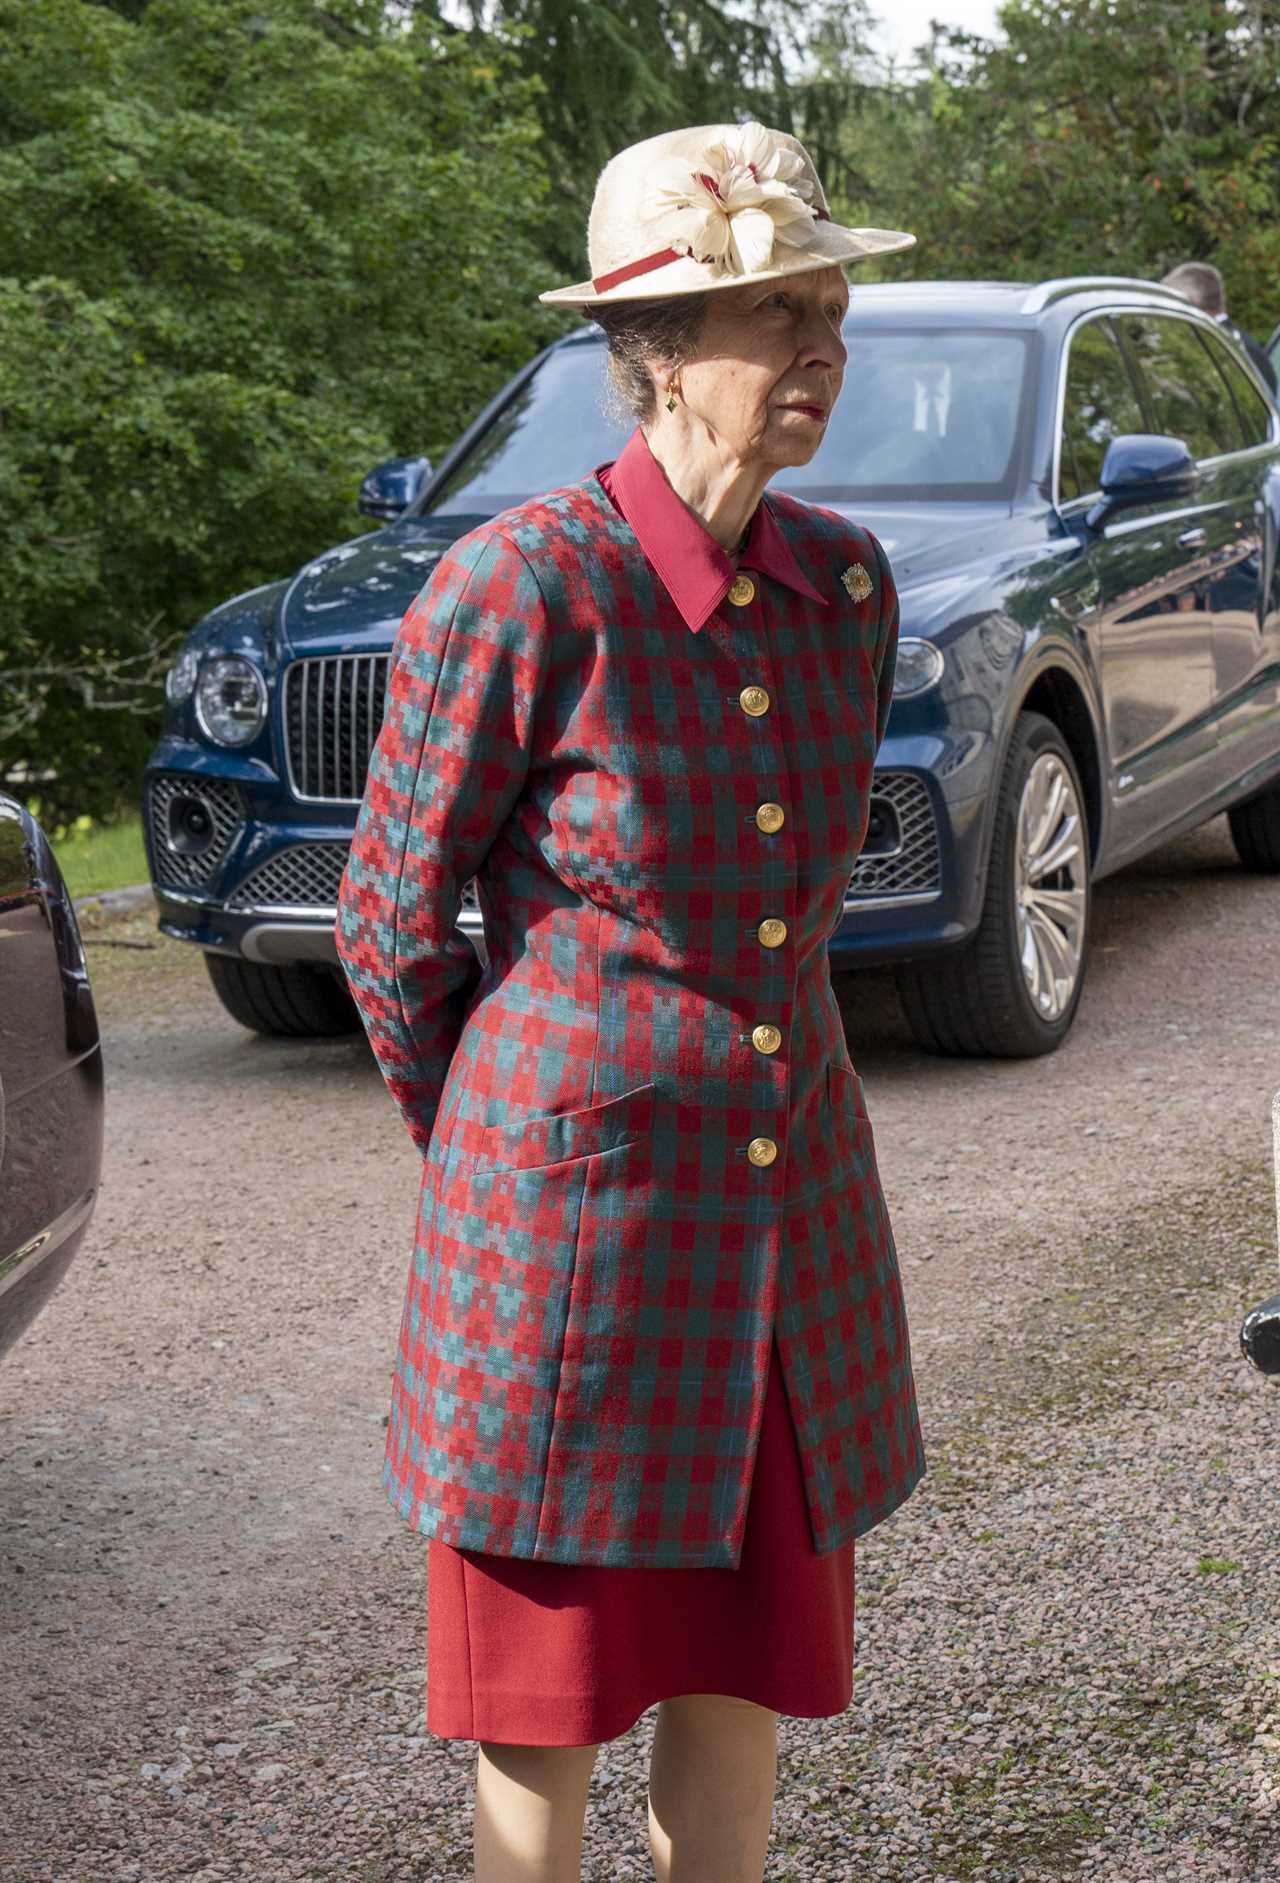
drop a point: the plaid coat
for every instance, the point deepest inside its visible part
(644, 1145)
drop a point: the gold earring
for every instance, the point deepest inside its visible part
(671, 398)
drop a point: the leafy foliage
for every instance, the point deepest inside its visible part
(1102, 136)
(247, 247)
(616, 71)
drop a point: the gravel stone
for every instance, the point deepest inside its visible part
(1067, 1641)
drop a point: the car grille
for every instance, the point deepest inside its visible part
(305, 876)
(910, 866)
(177, 868)
(333, 708)
(308, 875)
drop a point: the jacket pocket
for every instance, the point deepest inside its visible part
(844, 1087)
(849, 1117)
(528, 1139)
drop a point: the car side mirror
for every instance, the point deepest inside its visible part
(390, 487)
(1143, 467)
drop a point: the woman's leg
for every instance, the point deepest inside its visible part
(711, 1783)
(530, 1805)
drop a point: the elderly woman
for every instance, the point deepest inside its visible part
(654, 1374)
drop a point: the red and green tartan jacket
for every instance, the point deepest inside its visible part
(645, 1148)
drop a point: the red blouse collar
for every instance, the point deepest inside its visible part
(694, 568)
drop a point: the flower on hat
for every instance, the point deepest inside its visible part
(747, 191)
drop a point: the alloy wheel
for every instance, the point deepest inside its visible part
(1050, 886)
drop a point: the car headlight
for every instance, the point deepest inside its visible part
(180, 680)
(231, 700)
(919, 667)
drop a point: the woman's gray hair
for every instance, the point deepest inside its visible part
(665, 331)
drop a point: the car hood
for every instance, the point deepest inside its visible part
(925, 541)
(952, 561)
(355, 596)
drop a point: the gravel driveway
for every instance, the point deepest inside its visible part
(1068, 1639)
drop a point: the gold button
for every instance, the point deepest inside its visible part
(766, 1039)
(762, 1151)
(754, 700)
(772, 932)
(771, 817)
(742, 590)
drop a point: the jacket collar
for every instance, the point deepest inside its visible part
(694, 569)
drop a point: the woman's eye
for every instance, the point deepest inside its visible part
(835, 312)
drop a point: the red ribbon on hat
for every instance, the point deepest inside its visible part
(647, 263)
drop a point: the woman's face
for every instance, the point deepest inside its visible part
(769, 367)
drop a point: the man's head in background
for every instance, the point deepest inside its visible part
(1201, 283)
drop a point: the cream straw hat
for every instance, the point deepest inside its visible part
(709, 207)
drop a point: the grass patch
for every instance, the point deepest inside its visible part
(1119, 1323)
(95, 857)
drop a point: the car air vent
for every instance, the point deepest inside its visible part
(305, 876)
(191, 823)
(333, 708)
(900, 853)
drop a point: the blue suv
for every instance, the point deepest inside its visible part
(1078, 484)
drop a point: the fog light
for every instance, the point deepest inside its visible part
(884, 833)
(191, 828)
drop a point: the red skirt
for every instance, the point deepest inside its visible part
(569, 1654)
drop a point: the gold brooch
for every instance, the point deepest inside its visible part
(857, 581)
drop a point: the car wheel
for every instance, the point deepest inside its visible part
(1012, 991)
(296, 1000)
(1255, 831)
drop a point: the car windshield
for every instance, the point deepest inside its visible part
(926, 414)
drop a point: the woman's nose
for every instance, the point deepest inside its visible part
(821, 344)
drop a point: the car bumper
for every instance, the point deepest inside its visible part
(264, 887)
(298, 934)
(923, 921)
(237, 865)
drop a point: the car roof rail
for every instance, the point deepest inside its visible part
(1047, 291)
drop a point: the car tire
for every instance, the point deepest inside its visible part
(1255, 831)
(295, 1001)
(992, 999)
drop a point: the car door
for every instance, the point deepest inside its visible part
(1140, 615)
(51, 1068)
(1188, 396)
(1246, 635)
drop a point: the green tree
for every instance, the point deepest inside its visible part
(616, 71)
(1112, 136)
(247, 247)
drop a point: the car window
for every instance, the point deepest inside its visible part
(1100, 405)
(927, 415)
(556, 429)
(1187, 396)
(1254, 413)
